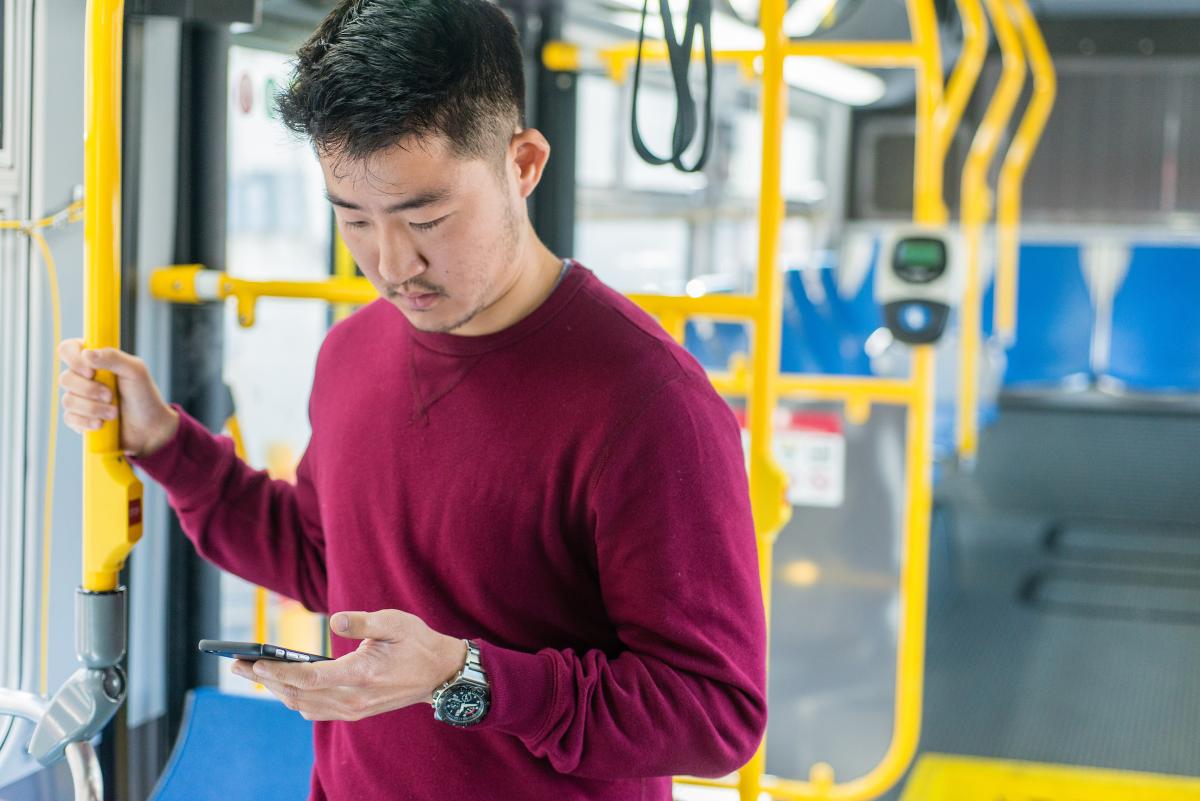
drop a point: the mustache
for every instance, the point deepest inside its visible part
(413, 287)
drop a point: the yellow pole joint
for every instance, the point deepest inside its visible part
(112, 495)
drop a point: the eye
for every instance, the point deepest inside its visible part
(429, 226)
(355, 223)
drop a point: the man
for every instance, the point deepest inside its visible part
(532, 493)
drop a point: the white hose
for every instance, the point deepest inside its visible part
(81, 757)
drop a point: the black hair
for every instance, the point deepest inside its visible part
(376, 73)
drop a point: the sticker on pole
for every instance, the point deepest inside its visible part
(811, 449)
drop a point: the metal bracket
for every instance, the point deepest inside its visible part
(94, 693)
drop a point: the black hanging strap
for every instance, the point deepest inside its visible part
(699, 15)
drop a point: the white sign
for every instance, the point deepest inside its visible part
(815, 462)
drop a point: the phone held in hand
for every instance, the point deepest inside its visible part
(253, 651)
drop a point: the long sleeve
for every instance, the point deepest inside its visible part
(265, 530)
(678, 570)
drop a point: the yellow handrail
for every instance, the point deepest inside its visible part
(112, 495)
(976, 210)
(1016, 162)
(191, 283)
(963, 80)
(616, 59)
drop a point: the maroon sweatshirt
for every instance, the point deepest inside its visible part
(569, 492)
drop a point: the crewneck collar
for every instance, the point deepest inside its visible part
(459, 345)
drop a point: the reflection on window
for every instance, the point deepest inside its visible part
(635, 255)
(279, 227)
(645, 228)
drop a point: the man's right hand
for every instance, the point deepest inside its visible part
(147, 422)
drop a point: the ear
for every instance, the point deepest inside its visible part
(527, 153)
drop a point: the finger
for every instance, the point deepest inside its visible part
(71, 353)
(79, 424)
(243, 668)
(386, 624)
(289, 696)
(84, 387)
(115, 361)
(312, 676)
(89, 409)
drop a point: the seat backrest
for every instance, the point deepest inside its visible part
(1155, 344)
(1055, 318)
(821, 332)
(236, 746)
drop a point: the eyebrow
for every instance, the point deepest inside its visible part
(417, 201)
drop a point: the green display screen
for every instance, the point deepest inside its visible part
(922, 253)
(919, 260)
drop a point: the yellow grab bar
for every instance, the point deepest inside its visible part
(112, 495)
(976, 210)
(962, 81)
(615, 60)
(191, 283)
(1016, 163)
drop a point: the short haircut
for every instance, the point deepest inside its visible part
(377, 73)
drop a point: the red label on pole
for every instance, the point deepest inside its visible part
(135, 512)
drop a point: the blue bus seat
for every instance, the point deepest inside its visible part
(823, 333)
(714, 343)
(236, 746)
(1055, 319)
(1155, 333)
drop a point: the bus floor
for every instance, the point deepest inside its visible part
(1064, 621)
(1051, 648)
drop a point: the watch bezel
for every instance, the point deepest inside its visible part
(448, 693)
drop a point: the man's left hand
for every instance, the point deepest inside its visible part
(400, 662)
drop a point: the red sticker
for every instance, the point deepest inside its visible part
(135, 512)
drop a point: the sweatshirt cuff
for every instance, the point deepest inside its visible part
(184, 465)
(524, 691)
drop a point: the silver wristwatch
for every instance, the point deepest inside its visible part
(465, 699)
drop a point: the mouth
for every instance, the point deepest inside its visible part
(419, 301)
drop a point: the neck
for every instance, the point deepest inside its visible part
(537, 271)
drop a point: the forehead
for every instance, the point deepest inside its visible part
(409, 167)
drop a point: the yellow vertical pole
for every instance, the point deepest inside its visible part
(976, 210)
(767, 481)
(1016, 162)
(112, 495)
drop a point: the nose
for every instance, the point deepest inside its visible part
(399, 260)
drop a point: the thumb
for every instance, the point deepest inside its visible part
(115, 361)
(381, 625)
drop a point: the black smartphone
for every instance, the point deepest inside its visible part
(253, 651)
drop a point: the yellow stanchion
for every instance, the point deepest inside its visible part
(112, 495)
(976, 211)
(1016, 163)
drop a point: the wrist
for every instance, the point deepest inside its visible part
(452, 658)
(164, 433)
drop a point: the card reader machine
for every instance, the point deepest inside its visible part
(917, 284)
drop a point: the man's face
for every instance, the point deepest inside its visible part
(437, 235)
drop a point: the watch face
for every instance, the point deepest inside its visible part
(463, 705)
